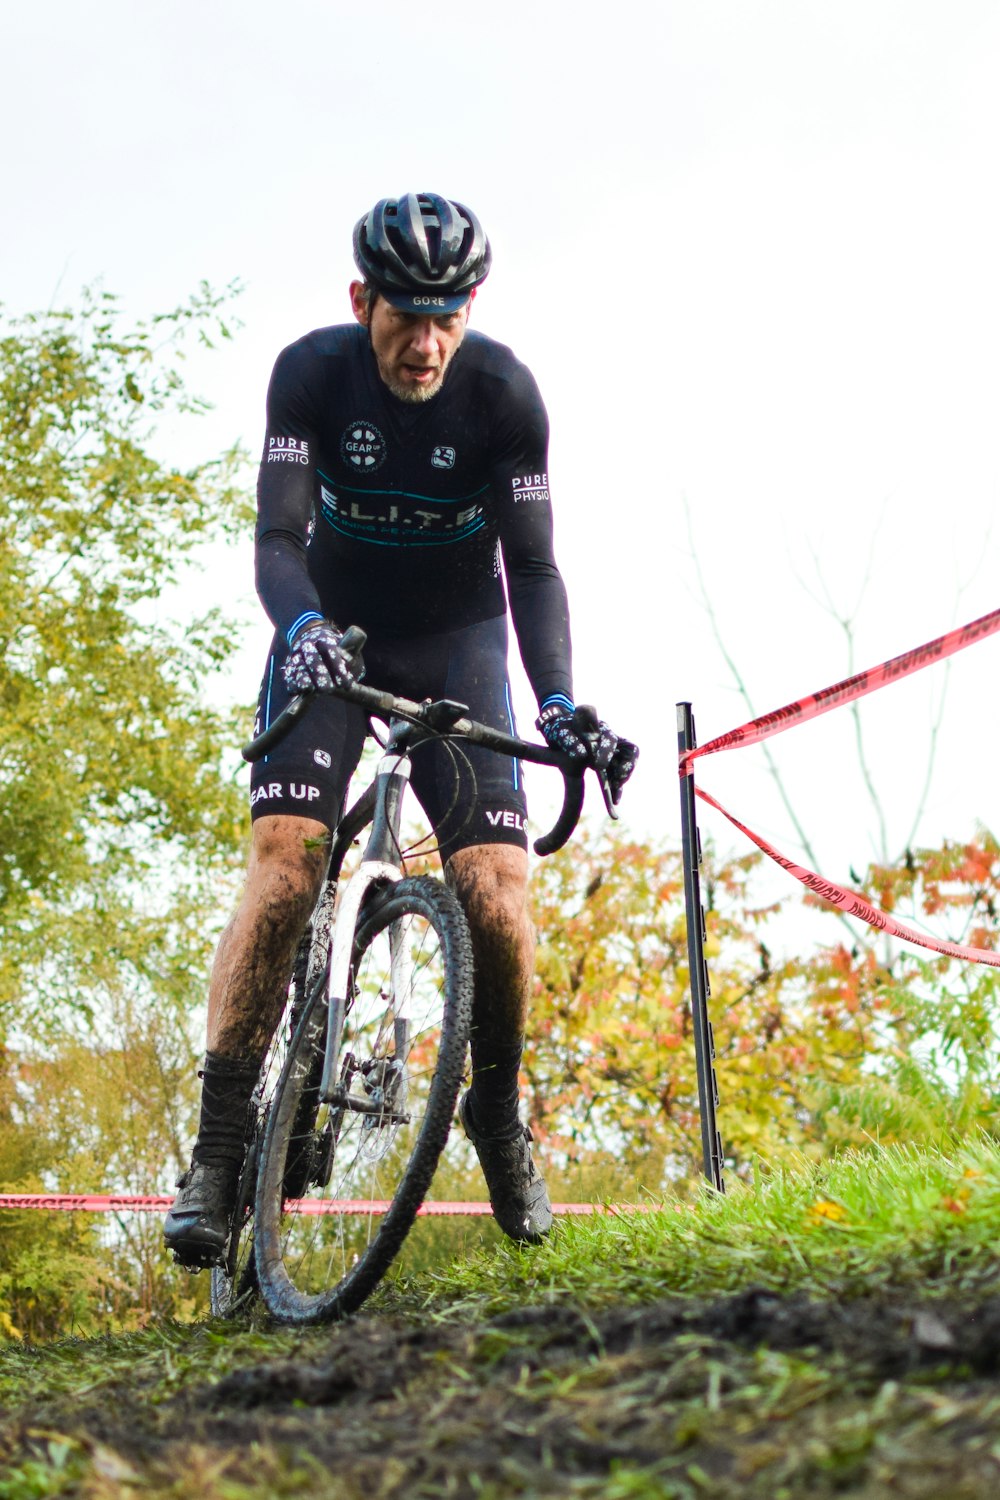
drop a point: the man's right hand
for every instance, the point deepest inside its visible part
(317, 663)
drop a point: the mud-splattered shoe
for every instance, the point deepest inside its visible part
(518, 1195)
(197, 1226)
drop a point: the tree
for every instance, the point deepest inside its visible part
(831, 1048)
(118, 1111)
(610, 1061)
(935, 1073)
(120, 819)
(111, 797)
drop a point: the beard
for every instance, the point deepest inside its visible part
(414, 394)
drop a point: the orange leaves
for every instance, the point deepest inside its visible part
(942, 883)
(958, 1201)
(610, 1051)
(977, 866)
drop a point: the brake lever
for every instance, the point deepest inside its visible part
(585, 721)
(609, 801)
(352, 641)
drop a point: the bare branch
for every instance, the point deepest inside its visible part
(772, 766)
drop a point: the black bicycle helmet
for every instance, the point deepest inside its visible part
(423, 253)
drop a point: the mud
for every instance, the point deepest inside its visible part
(753, 1395)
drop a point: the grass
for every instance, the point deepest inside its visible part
(899, 1215)
(812, 1333)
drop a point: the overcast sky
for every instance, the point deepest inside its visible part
(749, 250)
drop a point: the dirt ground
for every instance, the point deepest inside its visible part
(754, 1395)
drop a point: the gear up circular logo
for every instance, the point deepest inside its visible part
(362, 448)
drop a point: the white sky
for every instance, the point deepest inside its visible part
(750, 251)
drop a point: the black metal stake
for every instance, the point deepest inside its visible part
(704, 1043)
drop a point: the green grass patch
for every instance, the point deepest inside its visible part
(898, 1215)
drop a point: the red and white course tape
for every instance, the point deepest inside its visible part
(858, 686)
(137, 1203)
(810, 707)
(851, 903)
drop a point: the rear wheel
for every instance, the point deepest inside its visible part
(361, 1163)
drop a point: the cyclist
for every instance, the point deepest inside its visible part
(405, 458)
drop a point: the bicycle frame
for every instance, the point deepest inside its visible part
(380, 863)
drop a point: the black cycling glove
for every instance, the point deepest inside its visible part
(560, 730)
(597, 747)
(316, 663)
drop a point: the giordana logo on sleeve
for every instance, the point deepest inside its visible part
(362, 447)
(527, 487)
(287, 450)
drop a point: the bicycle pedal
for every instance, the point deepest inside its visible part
(192, 1266)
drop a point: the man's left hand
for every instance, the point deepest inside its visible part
(600, 748)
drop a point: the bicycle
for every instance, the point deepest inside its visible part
(359, 1090)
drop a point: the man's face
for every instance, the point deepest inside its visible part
(412, 352)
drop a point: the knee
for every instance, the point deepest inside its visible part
(491, 883)
(287, 864)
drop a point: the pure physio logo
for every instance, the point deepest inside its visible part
(362, 447)
(530, 487)
(287, 450)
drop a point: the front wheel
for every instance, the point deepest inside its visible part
(362, 1162)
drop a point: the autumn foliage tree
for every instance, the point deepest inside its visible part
(934, 1071)
(820, 1050)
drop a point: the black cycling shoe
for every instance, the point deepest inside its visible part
(518, 1195)
(198, 1225)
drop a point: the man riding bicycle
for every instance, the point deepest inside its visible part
(405, 459)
